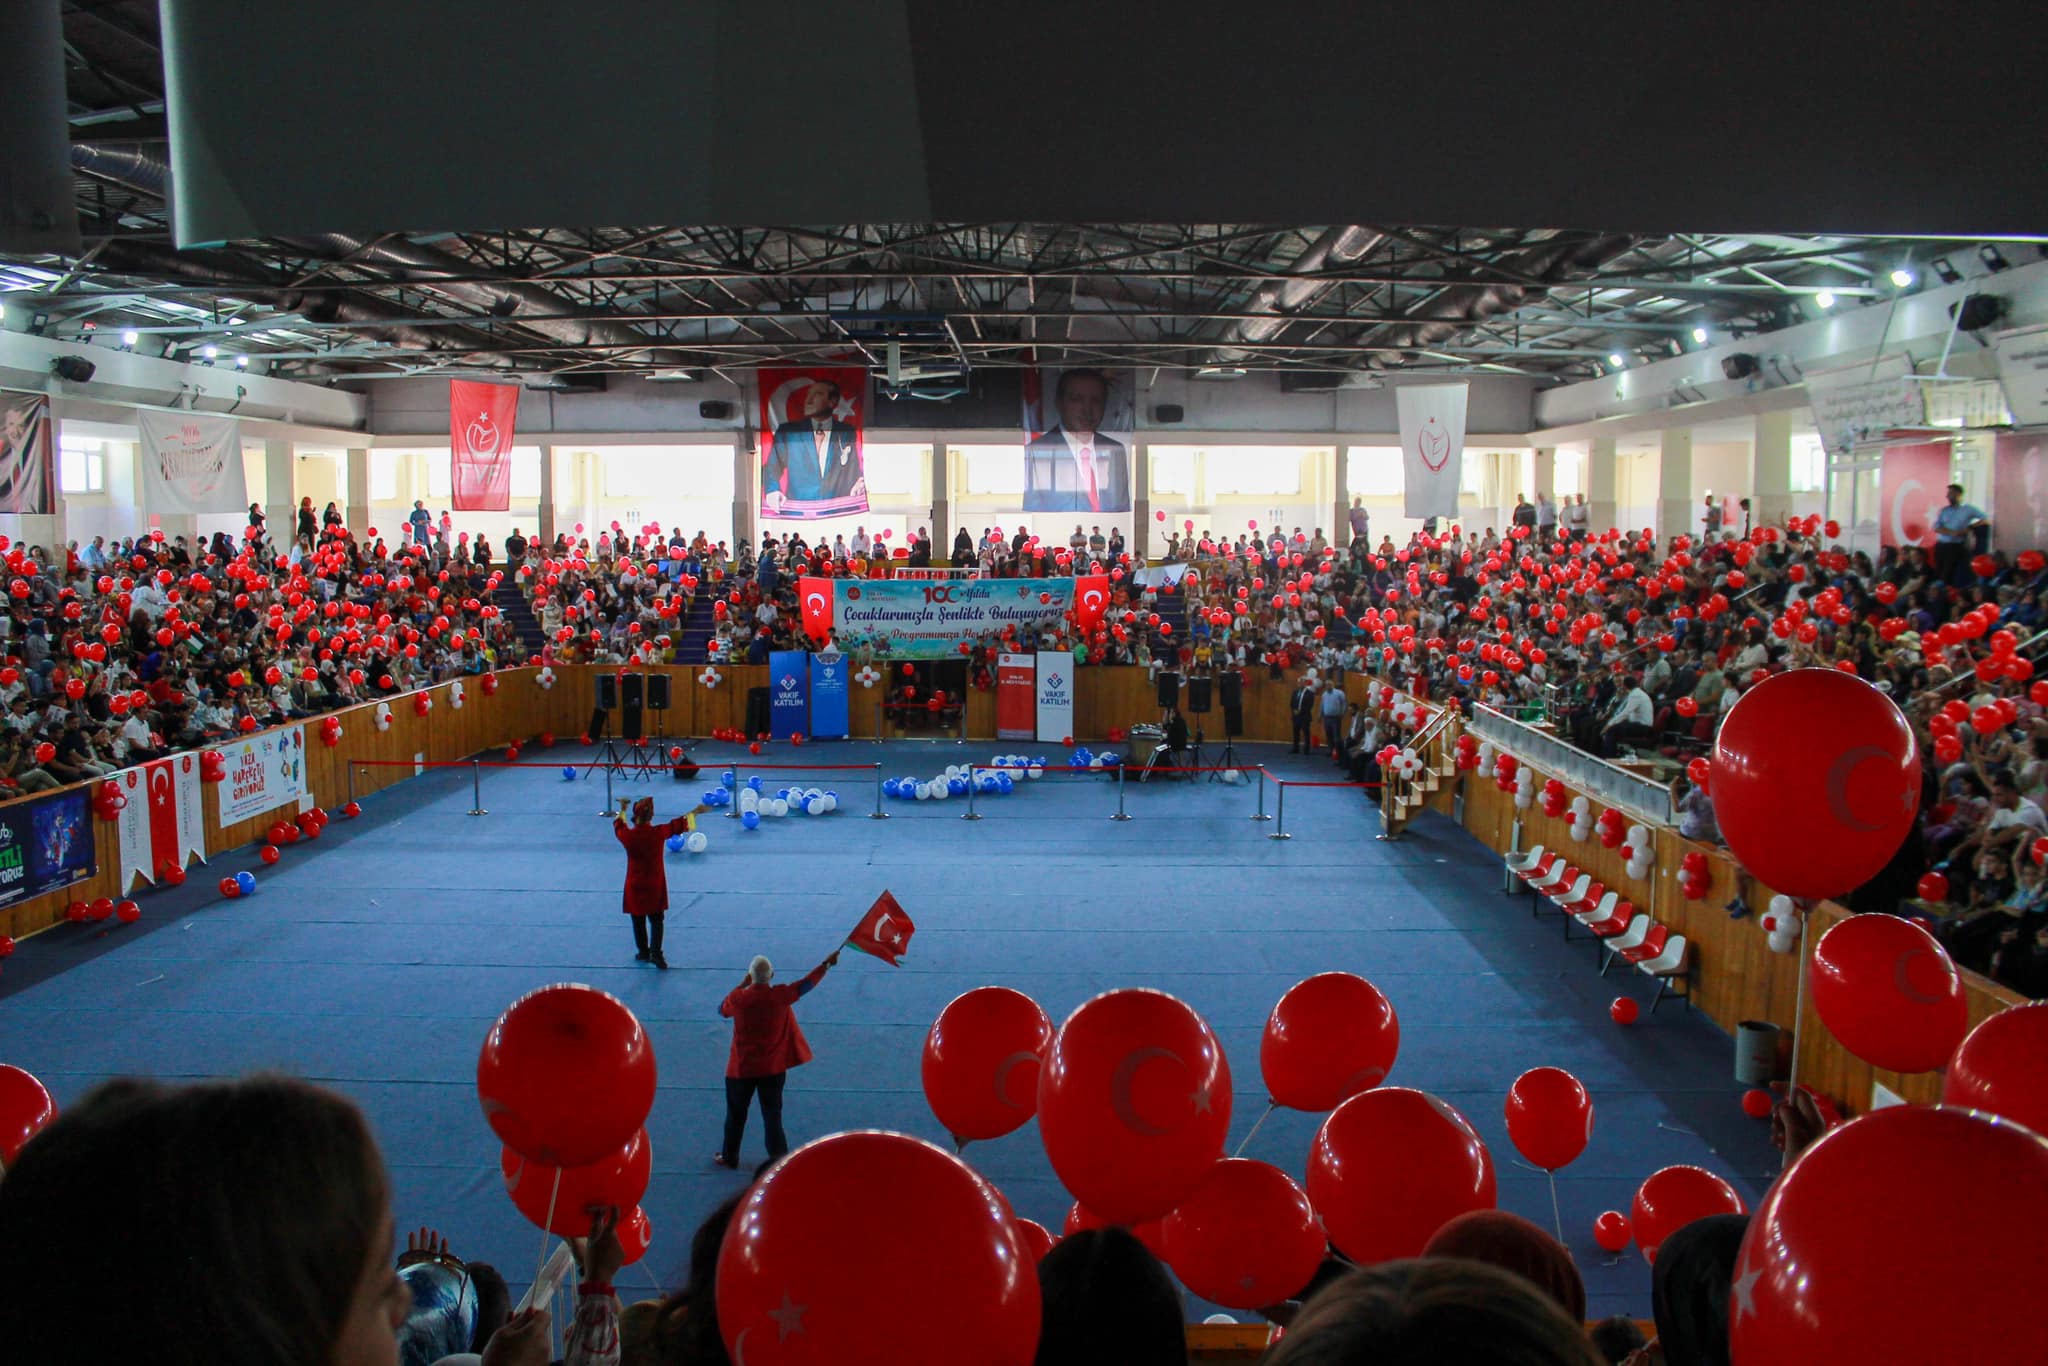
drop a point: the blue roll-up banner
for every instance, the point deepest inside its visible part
(828, 696)
(44, 844)
(789, 693)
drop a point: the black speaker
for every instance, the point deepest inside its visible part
(1741, 365)
(1168, 684)
(607, 692)
(79, 370)
(633, 692)
(715, 410)
(1198, 694)
(1233, 721)
(757, 711)
(1978, 312)
(1231, 684)
(657, 691)
(1168, 413)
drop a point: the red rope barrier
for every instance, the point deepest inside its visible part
(1290, 782)
(659, 761)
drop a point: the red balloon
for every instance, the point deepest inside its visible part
(1133, 1103)
(1079, 1218)
(1611, 1231)
(1624, 1010)
(270, 853)
(2002, 1068)
(230, 888)
(1033, 1238)
(1933, 886)
(566, 1075)
(1550, 1117)
(1757, 1103)
(789, 1293)
(1392, 1166)
(1816, 781)
(1887, 990)
(1329, 1038)
(636, 1232)
(981, 1062)
(620, 1179)
(1907, 1196)
(1245, 1237)
(1674, 1197)
(25, 1111)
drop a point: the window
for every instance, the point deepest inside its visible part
(82, 465)
(1257, 470)
(1569, 474)
(1809, 463)
(383, 476)
(1373, 471)
(1173, 470)
(440, 473)
(997, 470)
(896, 472)
(526, 472)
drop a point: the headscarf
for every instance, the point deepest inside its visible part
(1690, 1286)
(442, 1319)
(1512, 1243)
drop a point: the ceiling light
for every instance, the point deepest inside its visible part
(241, 362)
(130, 337)
(1947, 272)
(1699, 336)
(1993, 259)
(1824, 299)
(209, 351)
(1616, 359)
(234, 322)
(1903, 277)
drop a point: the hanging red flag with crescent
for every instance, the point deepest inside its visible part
(1091, 600)
(815, 594)
(480, 421)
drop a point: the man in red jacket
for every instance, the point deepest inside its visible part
(766, 1043)
(646, 899)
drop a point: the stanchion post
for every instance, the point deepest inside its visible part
(1280, 806)
(476, 788)
(350, 771)
(878, 814)
(970, 816)
(610, 806)
(1121, 814)
(732, 806)
(1260, 814)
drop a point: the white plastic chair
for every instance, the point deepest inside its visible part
(1668, 967)
(1598, 912)
(1638, 930)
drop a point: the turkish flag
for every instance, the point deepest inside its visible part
(816, 596)
(884, 931)
(163, 822)
(1091, 600)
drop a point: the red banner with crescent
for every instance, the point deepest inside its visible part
(1912, 485)
(480, 422)
(884, 931)
(815, 596)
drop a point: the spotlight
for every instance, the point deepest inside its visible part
(1977, 312)
(1943, 269)
(1616, 359)
(130, 337)
(1699, 336)
(1993, 259)
(210, 351)
(1741, 365)
(77, 369)
(1824, 299)
(241, 362)
(1903, 277)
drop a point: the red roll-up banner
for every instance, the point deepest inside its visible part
(1016, 697)
(480, 422)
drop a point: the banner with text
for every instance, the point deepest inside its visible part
(164, 820)
(480, 421)
(2023, 374)
(828, 697)
(191, 463)
(1859, 405)
(1432, 418)
(264, 772)
(929, 620)
(1016, 697)
(27, 484)
(45, 843)
(1055, 695)
(1912, 485)
(789, 693)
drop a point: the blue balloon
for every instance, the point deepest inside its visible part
(750, 819)
(956, 786)
(834, 796)
(889, 787)
(246, 881)
(754, 782)
(710, 797)
(725, 778)
(674, 843)
(568, 773)
(1005, 782)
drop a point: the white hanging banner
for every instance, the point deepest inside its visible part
(1859, 405)
(163, 822)
(1055, 695)
(2023, 374)
(191, 462)
(1432, 420)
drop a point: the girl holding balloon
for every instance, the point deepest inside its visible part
(646, 891)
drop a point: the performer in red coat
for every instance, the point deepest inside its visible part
(646, 898)
(766, 1043)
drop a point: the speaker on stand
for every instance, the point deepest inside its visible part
(1168, 684)
(1230, 686)
(601, 725)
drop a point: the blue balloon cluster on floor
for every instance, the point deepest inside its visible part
(1084, 758)
(998, 780)
(716, 796)
(675, 844)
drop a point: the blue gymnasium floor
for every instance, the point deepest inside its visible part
(374, 961)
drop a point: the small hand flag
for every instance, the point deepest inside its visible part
(884, 931)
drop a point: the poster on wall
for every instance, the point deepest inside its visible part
(789, 693)
(1016, 697)
(2019, 490)
(1055, 709)
(27, 483)
(191, 463)
(829, 701)
(812, 461)
(45, 843)
(164, 821)
(1912, 484)
(1079, 426)
(480, 421)
(1432, 418)
(264, 772)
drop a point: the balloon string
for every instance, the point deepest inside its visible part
(1799, 999)
(1556, 1215)
(545, 1229)
(1255, 1128)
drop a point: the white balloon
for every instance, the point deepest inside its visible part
(1781, 905)
(697, 842)
(831, 802)
(815, 807)
(1034, 772)
(781, 807)
(1639, 836)
(924, 792)
(1581, 804)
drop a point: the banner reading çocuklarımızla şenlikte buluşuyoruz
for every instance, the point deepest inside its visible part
(928, 619)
